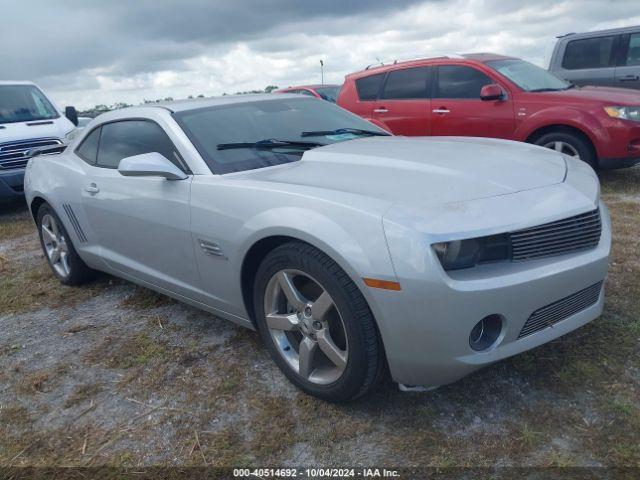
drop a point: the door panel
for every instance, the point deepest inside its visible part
(404, 117)
(404, 104)
(143, 227)
(456, 108)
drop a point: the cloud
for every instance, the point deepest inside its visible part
(86, 53)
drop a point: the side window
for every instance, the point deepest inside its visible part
(368, 87)
(133, 137)
(407, 83)
(307, 93)
(588, 53)
(88, 149)
(459, 81)
(633, 53)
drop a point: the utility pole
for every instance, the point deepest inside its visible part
(321, 72)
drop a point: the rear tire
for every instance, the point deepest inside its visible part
(59, 251)
(569, 143)
(326, 304)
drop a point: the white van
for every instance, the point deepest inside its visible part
(28, 119)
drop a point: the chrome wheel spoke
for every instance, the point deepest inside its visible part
(305, 357)
(47, 234)
(321, 306)
(294, 297)
(54, 227)
(55, 256)
(333, 353)
(558, 146)
(279, 321)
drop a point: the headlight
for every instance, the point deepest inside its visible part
(468, 253)
(626, 113)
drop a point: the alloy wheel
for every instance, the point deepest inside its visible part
(306, 326)
(563, 147)
(55, 245)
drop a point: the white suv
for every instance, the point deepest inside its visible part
(28, 119)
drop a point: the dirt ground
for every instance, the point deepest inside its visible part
(113, 374)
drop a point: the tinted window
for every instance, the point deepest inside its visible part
(132, 137)
(407, 83)
(250, 122)
(368, 87)
(88, 149)
(458, 81)
(307, 92)
(588, 53)
(633, 54)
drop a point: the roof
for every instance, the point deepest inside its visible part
(192, 104)
(311, 86)
(474, 57)
(611, 31)
(15, 82)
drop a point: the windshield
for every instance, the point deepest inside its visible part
(328, 93)
(528, 76)
(259, 122)
(24, 103)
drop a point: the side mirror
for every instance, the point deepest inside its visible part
(151, 164)
(491, 92)
(72, 114)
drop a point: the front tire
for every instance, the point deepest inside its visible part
(316, 324)
(60, 253)
(570, 144)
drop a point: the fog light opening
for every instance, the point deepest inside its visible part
(485, 333)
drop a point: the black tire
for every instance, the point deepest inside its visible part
(366, 363)
(577, 142)
(79, 271)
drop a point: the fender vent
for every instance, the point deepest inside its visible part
(211, 248)
(74, 222)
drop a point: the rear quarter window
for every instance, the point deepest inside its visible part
(368, 87)
(588, 53)
(88, 149)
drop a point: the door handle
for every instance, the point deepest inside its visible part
(441, 110)
(380, 110)
(92, 188)
(629, 78)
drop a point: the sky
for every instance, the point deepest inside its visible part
(89, 52)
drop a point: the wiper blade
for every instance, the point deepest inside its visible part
(339, 131)
(546, 90)
(269, 143)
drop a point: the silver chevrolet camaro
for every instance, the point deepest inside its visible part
(351, 251)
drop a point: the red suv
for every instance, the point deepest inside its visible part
(486, 95)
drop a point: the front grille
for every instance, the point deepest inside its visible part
(14, 154)
(557, 311)
(580, 232)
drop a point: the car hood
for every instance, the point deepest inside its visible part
(607, 95)
(54, 128)
(422, 170)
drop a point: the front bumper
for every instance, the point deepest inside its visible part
(620, 146)
(11, 185)
(425, 327)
